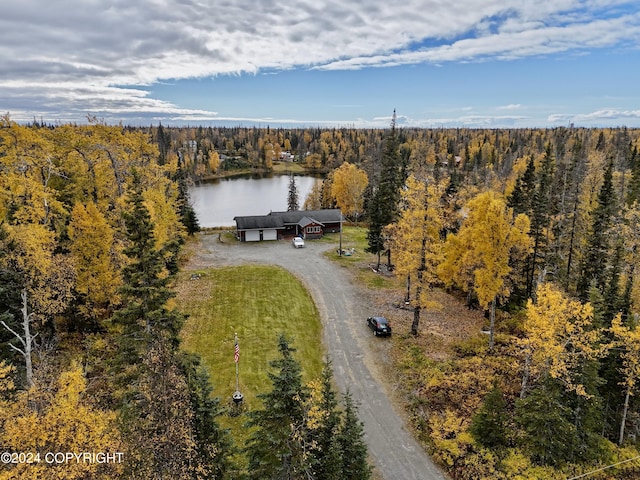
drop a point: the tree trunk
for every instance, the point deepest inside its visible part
(416, 320)
(624, 415)
(525, 375)
(26, 320)
(26, 341)
(492, 324)
(420, 275)
(407, 298)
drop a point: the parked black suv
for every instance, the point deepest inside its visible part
(379, 325)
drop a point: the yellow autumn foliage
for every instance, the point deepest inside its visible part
(347, 188)
(559, 334)
(629, 340)
(62, 424)
(92, 248)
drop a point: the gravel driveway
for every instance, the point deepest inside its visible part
(355, 354)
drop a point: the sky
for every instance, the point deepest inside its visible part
(322, 63)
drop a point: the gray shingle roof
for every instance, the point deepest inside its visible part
(258, 222)
(323, 216)
(280, 219)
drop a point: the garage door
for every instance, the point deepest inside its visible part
(271, 234)
(252, 236)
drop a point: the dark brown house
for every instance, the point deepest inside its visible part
(278, 225)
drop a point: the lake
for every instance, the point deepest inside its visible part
(218, 201)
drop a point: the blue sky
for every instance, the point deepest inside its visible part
(473, 63)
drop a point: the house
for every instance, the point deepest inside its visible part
(309, 224)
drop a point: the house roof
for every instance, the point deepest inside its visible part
(304, 221)
(321, 216)
(280, 219)
(257, 222)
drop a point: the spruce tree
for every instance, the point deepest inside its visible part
(595, 262)
(276, 448)
(541, 211)
(521, 197)
(11, 284)
(293, 205)
(548, 435)
(633, 194)
(489, 424)
(326, 449)
(213, 443)
(145, 292)
(352, 446)
(383, 206)
(188, 215)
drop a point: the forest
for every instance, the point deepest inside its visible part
(537, 228)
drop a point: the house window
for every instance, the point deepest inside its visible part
(315, 229)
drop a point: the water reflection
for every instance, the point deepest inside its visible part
(217, 202)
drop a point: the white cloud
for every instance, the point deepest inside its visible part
(96, 56)
(597, 118)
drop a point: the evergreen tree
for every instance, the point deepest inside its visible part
(489, 424)
(587, 414)
(145, 291)
(522, 195)
(277, 447)
(595, 262)
(293, 205)
(187, 213)
(541, 211)
(213, 443)
(383, 206)
(612, 293)
(633, 194)
(352, 446)
(548, 434)
(164, 144)
(326, 449)
(157, 421)
(11, 284)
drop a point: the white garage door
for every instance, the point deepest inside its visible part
(252, 236)
(271, 234)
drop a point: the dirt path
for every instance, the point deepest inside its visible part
(354, 352)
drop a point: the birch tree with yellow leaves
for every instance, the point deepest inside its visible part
(63, 422)
(415, 238)
(95, 260)
(559, 335)
(348, 187)
(490, 237)
(628, 339)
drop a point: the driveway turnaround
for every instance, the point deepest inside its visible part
(352, 348)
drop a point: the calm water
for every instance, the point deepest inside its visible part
(216, 203)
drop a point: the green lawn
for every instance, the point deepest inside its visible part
(257, 303)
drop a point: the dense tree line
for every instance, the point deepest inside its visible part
(540, 227)
(550, 238)
(514, 220)
(92, 220)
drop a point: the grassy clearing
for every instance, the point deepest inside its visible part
(257, 303)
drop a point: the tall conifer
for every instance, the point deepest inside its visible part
(383, 206)
(276, 448)
(595, 261)
(354, 450)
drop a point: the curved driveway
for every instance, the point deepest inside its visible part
(343, 310)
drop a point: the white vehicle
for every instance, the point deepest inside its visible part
(298, 242)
